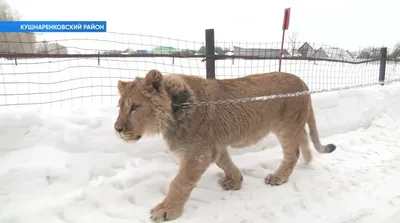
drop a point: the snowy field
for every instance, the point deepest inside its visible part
(62, 162)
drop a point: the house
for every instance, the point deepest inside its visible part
(305, 50)
(269, 53)
(185, 52)
(112, 52)
(129, 51)
(337, 53)
(320, 53)
(142, 52)
(353, 54)
(163, 50)
(202, 51)
(295, 53)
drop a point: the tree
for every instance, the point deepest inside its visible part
(293, 42)
(396, 51)
(14, 42)
(369, 53)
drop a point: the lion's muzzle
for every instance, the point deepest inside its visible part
(124, 133)
(119, 126)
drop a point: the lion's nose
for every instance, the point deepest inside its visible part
(118, 128)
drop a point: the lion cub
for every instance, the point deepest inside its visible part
(200, 135)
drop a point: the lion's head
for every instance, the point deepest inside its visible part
(148, 105)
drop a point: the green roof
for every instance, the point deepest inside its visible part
(164, 49)
(218, 50)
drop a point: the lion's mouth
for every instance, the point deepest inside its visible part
(128, 137)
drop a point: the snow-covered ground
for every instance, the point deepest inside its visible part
(66, 164)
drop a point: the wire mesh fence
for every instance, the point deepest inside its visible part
(70, 71)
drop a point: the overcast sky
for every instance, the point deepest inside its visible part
(346, 23)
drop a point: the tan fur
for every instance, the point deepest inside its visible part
(200, 135)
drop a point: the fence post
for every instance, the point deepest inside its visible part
(382, 67)
(210, 53)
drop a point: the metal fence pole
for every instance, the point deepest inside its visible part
(382, 66)
(210, 53)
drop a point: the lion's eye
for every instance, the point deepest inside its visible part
(134, 107)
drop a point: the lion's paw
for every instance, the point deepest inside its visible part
(227, 183)
(274, 180)
(165, 212)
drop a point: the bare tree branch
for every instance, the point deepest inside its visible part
(293, 42)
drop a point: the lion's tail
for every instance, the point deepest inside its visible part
(315, 137)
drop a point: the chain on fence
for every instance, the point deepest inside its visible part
(287, 95)
(67, 70)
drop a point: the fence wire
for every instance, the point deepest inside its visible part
(68, 71)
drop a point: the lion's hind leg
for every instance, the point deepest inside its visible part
(233, 177)
(304, 146)
(291, 152)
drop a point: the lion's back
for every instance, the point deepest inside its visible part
(244, 122)
(249, 86)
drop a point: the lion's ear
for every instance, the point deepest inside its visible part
(153, 80)
(121, 85)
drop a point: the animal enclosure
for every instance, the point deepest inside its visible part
(74, 71)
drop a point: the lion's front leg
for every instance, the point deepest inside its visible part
(190, 171)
